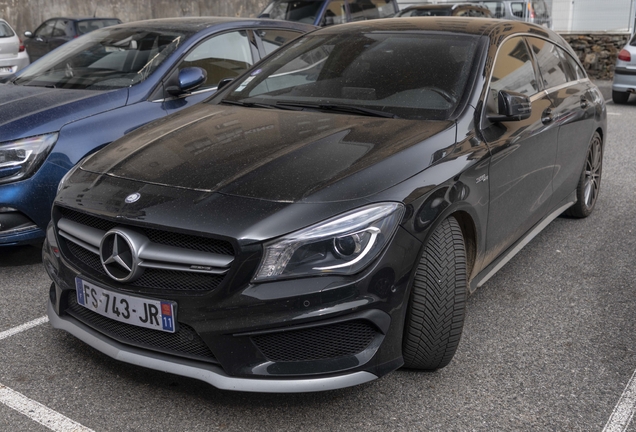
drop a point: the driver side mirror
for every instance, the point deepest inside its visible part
(513, 106)
(28, 34)
(189, 79)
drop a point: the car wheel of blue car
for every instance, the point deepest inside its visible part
(435, 316)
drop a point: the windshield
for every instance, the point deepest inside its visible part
(407, 75)
(105, 59)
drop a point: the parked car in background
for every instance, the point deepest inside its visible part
(446, 9)
(329, 12)
(321, 220)
(13, 55)
(55, 32)
(535, 11)
(625, 73)
(101, 86)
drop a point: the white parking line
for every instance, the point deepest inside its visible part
(624, 410)
(36, 322)
(38, 412)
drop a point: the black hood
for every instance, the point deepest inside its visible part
(27, 111)
(275, 155)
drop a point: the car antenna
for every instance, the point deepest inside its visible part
(95, 12)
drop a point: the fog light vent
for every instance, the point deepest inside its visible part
(317, 343)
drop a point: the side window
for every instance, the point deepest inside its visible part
(513, 71)
(223, 56)
(59, 29)
(273, 38)
(46, 29)
(370, 9)
(552, 68)
(517, 9)
(335, 13)
(572, 66)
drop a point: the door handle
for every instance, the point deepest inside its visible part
(547, 116)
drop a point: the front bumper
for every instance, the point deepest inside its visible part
(211, 374)
(257, 336)
(31, 198)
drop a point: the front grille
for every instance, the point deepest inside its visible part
(185, 342)
(317, 343)
(168, 238)
(152, 278)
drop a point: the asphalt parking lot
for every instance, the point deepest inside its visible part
(549, 345)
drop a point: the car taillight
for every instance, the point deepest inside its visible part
(624, 55)
(531, 13)
(21, 49)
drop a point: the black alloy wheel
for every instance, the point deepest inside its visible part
(589, 184)
(435, 316)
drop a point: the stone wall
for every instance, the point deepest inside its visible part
(28, 14)
(598, 51)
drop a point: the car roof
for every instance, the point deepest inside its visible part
(195, 24)
(492, 27)
(83, 19)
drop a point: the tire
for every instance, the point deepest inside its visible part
(620, 97)
(435, 315)
(589, 185)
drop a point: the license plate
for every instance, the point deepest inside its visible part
(137, 311)
(9, 69)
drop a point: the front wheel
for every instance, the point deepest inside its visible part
(435, 315)
(589, 185)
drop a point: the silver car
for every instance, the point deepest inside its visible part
(625, 73)
(13, 56)
(535, 11)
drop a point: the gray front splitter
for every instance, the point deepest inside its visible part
(205, 372)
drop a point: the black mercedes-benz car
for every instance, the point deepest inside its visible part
(320, 221)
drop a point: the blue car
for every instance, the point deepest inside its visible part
(98, 87)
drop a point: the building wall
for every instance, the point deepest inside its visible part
(593, 15)
(28, 14)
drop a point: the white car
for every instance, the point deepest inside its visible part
(625, 73)
(13, 56)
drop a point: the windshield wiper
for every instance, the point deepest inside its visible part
(245, 104)
(352, 109)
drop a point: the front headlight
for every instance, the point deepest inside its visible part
(341, 245)
(21, 158)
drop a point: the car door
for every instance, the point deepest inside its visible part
(574, 103)
(38, 45)
(225, 55)
(522, 152)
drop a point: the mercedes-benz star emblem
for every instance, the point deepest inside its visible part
(119, 256)
(133, 198)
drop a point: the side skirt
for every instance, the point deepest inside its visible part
(498, 263)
